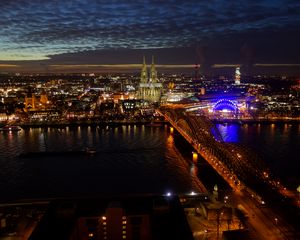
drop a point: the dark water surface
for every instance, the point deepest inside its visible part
(129, 159)
(278, 145)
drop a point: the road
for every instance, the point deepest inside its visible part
(262, 221)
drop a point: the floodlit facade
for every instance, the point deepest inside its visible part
(149, 89)
(237, 76)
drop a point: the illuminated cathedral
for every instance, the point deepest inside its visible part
(150, 89)
(32, 103)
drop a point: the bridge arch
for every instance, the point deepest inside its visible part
(171, 115)
(183, 124)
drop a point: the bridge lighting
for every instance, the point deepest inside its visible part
(266, 174)
(171, 130)
(195, 156)
(278, 183)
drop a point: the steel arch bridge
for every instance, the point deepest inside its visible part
(197, 130)
(205, 138)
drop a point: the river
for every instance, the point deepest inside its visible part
(134, 159)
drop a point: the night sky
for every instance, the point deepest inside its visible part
(42, 35)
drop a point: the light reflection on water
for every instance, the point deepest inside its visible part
(129, 159)
(229, 132)
(276, 144)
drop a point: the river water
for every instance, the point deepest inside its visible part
(277, 145)
(129, 159)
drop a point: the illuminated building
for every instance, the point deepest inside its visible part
(30, 102)
(44, 98)
(113, 224)
(42, 115)
(174, 96)
(202, 91)
(33, 103)
(4, 117)
(226, 106)
(149, 89)
(132, 105)
(237, 76)
(116, 225)
(120, 96)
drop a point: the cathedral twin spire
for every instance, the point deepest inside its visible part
(144, 74)
(153, 72)
(149, 89)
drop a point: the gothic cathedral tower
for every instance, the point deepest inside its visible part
(149, 89)
(153, 72)
(144, 75)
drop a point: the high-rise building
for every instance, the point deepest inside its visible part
(237, 79)
(150, 89)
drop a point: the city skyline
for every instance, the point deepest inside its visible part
(51, 36)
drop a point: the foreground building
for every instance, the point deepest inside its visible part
(115, 218)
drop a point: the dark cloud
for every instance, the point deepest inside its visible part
(39, 29)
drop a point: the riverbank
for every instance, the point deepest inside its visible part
(91, 123)
(256, 121)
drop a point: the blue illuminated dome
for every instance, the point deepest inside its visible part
(225, 104)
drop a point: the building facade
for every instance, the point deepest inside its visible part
(150, 89)
(237, 79)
